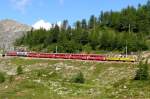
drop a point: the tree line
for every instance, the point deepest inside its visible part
(109, 31)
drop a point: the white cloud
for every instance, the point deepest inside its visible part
(20, 4)
(59, 23)
(42, 24)
(45, 25)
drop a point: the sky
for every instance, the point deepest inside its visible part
(52, 11)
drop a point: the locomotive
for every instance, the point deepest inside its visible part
(96, 57)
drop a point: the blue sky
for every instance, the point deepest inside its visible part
(30, 11)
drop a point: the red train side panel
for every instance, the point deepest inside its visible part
(60, 56)
(31, 54)
(13, 53)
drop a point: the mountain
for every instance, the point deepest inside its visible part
(10, 30)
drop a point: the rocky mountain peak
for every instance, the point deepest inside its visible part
(10, 30)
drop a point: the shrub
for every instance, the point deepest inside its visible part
(39, 73)
(78, 78)
(2, 77)
(19, 70)
(87, 48)
(142, 72)
(11, 78)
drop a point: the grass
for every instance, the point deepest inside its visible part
(50, 79)
(28, 61)
(28, 90)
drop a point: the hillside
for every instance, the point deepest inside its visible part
(110, 31)
(51, 79)
(10, 30)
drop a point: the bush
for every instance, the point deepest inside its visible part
(87, 48)
(39, 73)
(11, 78)
(142, 72)
(2, 77)
(19, 70)
(78, 78)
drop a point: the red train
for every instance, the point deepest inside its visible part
(71, 56)
(60, 56)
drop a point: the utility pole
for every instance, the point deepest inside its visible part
(126, 49)
(126, 41)
(56, 48)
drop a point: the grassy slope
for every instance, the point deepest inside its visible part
(49, 79)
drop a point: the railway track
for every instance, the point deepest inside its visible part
(109, 62)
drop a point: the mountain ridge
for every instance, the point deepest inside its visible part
(10, 30)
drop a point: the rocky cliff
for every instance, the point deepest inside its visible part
(10, 30)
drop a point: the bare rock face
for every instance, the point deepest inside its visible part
(10, 30)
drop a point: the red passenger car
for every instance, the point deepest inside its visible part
(32, 54)
(13, 53)
(60, 56)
